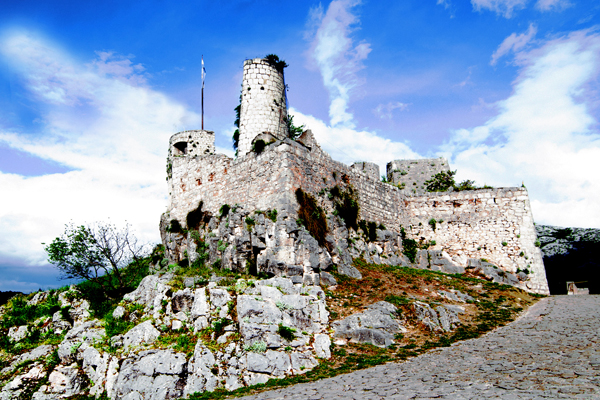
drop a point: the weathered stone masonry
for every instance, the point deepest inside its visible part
(468, 227)
(491, 224)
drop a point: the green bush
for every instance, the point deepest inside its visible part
(272, 215)
(18, 312)
(286, 332)
(224, 210)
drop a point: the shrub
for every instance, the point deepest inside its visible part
(286, 332)
(257, 347)
(293, 131)
(224, 210)
(441, 182)
(369, 228)
(432, 223)
(274, 60)
(272, 215)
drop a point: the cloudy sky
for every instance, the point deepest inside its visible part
(90, 92)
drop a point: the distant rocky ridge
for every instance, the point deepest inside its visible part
(570, 254)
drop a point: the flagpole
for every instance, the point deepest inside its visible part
(202, 92)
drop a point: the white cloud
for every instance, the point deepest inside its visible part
(102, 121)
(384, 111)
(543, 134)
(500, 7)
(445, 3)
(552, 5)
(349, 145)
(513, 43)
(336, 56)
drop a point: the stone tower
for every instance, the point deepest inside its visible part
(263, 103)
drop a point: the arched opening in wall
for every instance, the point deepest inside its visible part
(180, 148)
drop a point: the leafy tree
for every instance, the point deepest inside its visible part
(100, 253)
(441, 181)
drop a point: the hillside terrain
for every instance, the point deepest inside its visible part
(201, 332)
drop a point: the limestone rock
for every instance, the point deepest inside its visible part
(374, 325)
(322, 346)
(151, 291)
(18, 333)
(140, 334)
(182, 301)
(151, 375)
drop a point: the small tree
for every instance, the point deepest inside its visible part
(441, 181)
(293, 131)
(100, 253)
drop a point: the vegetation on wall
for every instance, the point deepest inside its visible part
(345, 202)
(312, 216)
(236, 133)
(293, 131)
(274, 60)
(443, 181)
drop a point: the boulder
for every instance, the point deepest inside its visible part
(182, 300)
(140, 334)
(18, 333)
(375, 325)
(151, 375)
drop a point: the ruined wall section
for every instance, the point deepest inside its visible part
(411, 175)
(255, 182)
(491, 224)
(263, 103)
(192, 143)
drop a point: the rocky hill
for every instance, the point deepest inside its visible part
(201, 332)
(570, 254)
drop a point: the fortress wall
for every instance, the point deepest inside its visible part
(263, 103)
(413, 173)
(254, 181)
(476, 223)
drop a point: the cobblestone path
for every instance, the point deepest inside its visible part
(551, 352)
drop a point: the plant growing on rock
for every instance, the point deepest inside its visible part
(286, 332)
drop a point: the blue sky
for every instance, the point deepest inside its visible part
(90, 92)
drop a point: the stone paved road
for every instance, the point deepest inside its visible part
(551, 352)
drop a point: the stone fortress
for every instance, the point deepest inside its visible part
(489, 231)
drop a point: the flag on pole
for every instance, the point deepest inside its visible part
(203, 72)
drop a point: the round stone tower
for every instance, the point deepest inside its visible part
(263, 103)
